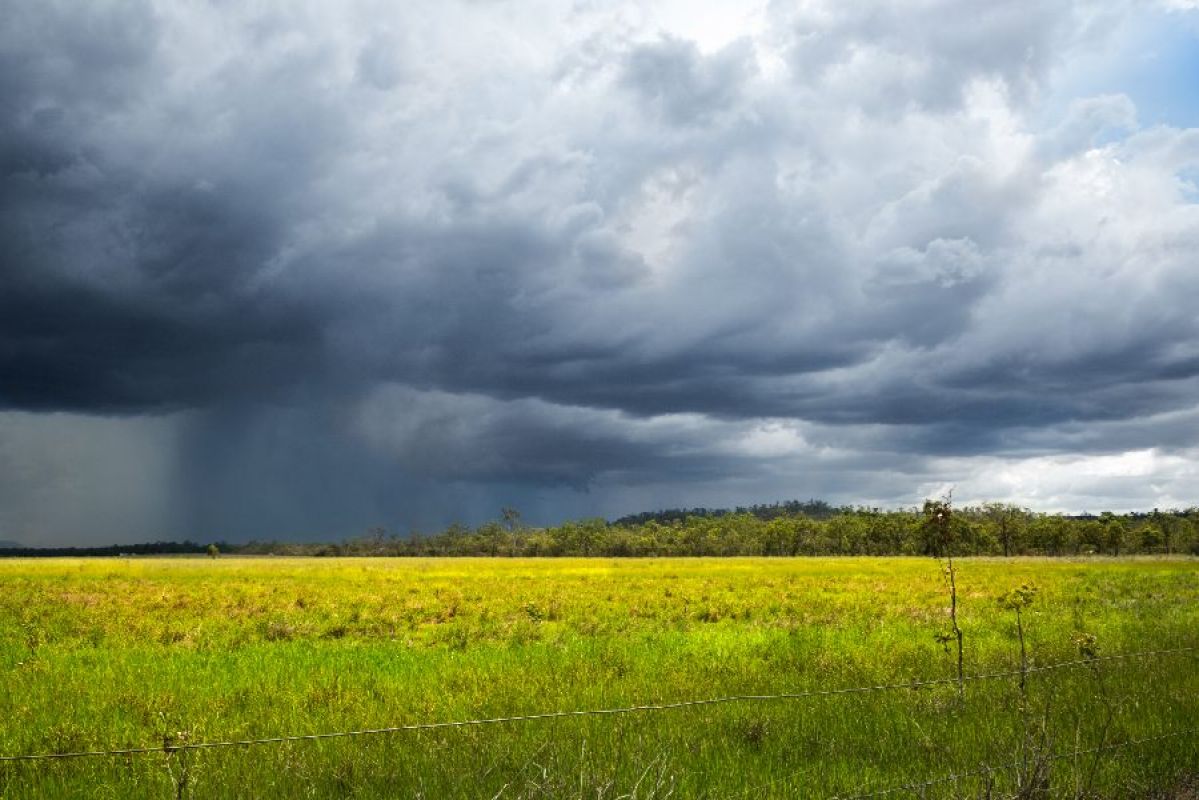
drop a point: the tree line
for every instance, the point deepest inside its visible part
(143, 549)
(994, 529)
(811, 528)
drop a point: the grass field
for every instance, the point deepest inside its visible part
(114, 653)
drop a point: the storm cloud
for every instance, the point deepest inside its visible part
(284, 270)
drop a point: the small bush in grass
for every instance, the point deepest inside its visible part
(1018, 600)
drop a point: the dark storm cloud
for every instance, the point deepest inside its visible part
(351, 255)
(122, 296)
(476, 437)
(134, 269)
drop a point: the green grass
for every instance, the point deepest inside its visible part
(114, 653)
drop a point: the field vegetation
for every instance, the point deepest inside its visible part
(110, 653)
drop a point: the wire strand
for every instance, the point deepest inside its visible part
(429, 726)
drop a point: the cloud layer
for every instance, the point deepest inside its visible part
(335, 266)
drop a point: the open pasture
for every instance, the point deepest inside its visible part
(113, 653)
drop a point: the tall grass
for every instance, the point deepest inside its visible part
(111, 653)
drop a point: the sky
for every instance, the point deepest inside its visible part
(292, 270)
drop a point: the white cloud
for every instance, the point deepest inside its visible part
(1126, 481)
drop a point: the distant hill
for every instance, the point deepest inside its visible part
(6, 544)
(817, 509)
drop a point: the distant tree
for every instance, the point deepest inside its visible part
(780, 537)
(1165, 524)
(1115, 533)
(941, 528)
(1050, 534)
(1009, 522)
(512, 523)
(1152, 537)
(1185, 532)
(1091, 537)
(490, 536)
(376, 540)
(213, 551)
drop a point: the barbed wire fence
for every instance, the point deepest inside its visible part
(170, 746)
(599, 712)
